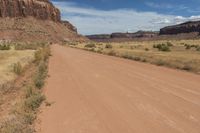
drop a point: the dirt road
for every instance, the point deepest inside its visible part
(93, 93)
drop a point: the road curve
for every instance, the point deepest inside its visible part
(93, 93)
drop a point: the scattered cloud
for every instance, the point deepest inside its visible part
(95, 21)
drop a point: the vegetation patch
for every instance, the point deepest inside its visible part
(22, 117)
(109, 46)
(29, 46)
(90, 45)
(5, 47)
(17, 68)
(172, 53)
(162, 47)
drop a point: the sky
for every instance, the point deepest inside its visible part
(108, 16)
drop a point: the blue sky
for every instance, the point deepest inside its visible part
(107, 16)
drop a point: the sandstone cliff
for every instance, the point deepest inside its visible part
(34, 20)
(40, 9)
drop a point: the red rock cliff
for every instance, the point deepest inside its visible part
(40, 9)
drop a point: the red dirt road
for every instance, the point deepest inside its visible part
(95, 93)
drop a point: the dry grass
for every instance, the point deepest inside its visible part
(21, 104)
(178, 56)
(11, 57)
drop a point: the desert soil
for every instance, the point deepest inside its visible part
(93, 93)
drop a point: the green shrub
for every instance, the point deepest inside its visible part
(90, 45)
(28, 118)
(40, 75)
(108, 46)
(33, 102)
(169, 44)
(4, 47)
(162, 47)
(17, 68)
(42, 55)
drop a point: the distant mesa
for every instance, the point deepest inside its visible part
(185, 30)
(188, 27)
(139, 34)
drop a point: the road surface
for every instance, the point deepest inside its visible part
(93, 93)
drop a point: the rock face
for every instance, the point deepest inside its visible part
(40, 9)
(69, 26)
(181, 28)
(23, 20)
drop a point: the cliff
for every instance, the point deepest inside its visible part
(34, 20)
(40, 9)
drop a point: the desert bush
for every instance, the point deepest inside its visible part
(112, 53)
(159, 62)
(90, 45)
(169, 44)
(109, 46)
(187, 67)
(198, 48)
(5, 47)
(99, 51)
(17, 68)
(42, 54)
(40, 75)
(137, 58)
(146, 49)
(29, 46)
(127, 56)
(188, 46)
(72, 43)
(143, 60)
(29, 118)
(15, 125)
(29, 92)
(162, 47)
(34, 101)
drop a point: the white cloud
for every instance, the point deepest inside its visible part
(94, 21)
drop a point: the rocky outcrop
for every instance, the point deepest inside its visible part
(40, 9)
(23, 20)
(69, 26)
(188, 27)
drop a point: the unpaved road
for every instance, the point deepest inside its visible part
(95, 93)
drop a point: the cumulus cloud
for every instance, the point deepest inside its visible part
(95, 21)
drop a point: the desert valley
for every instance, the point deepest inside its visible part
(53, 79)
